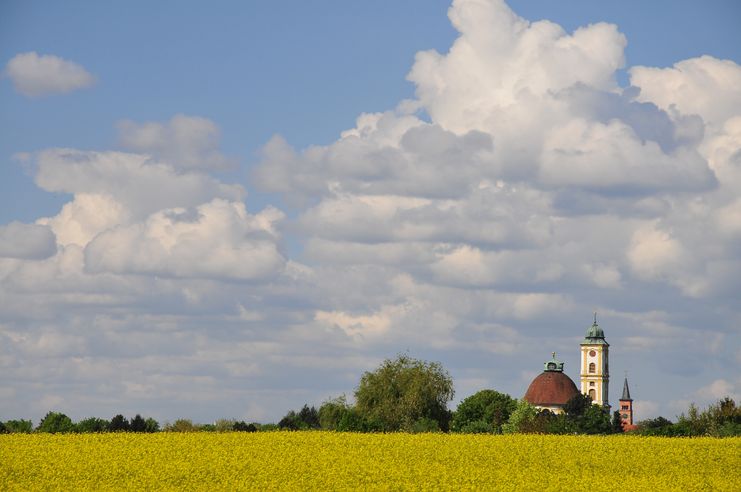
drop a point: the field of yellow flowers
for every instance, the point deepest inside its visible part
(325, 460)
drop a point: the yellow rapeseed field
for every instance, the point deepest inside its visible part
(332, 461)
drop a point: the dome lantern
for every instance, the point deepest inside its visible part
(553, 364)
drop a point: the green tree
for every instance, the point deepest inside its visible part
(181, 425)
(19, 426)
(224, 425)
(306, 418)
(242, 426)
(309, 417)
(475, 427)
(119, 424)
(404, 390)
(3, 429)
(659, 426)
(692, 424)
(577, 405)
(425, 424)
(522, 419)
(332, 411)
(723, 418)
(151, 425)
(485, 409)
(596, 420)
(271, 427)
(585, 418)
(138, 424)
(55, 422)
(92, 424)
(617, 422)
(352, 421)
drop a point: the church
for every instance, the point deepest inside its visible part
(552, 388)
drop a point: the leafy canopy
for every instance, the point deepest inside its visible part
(484, 411)
(402, 392)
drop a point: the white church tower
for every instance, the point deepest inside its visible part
(595, 372)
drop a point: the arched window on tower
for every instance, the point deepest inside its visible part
(592, 394)
(592, 368)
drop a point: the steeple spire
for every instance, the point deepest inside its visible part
(626, 391)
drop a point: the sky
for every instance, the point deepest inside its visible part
(231, 209)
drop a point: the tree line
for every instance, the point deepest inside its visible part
(59, 423)
(410, 395)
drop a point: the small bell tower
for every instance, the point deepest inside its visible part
(595, 369)
(626, 405)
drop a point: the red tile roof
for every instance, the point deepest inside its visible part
(551, 388)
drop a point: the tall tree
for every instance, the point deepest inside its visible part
(404, 390)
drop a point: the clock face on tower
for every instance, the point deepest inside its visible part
(592, 353)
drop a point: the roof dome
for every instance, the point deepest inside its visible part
(551, 388)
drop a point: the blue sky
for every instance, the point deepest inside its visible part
(346, 252)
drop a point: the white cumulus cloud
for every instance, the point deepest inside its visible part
(141, 184)
(217, 239)
(35, 75)
(705, 86)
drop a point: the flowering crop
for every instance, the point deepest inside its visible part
(330, 461)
